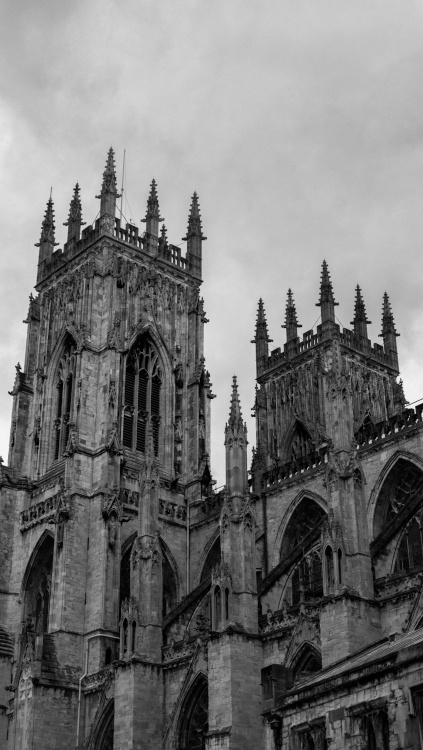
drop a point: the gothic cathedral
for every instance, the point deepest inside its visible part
(141, 609)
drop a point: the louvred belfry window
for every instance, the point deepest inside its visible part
(143, 381)
(64, 398)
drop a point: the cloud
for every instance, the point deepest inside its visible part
(300, 125)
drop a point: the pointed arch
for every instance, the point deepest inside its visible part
(298, 441)
(171, 579)
(37, 583)
(47, 534)
(375, 519)
(211, 556)
(310, 507)
(171, 576)
(62, 378)
(193, 719)
(306, 661)
(103, 728)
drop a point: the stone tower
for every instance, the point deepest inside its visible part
(109, 446)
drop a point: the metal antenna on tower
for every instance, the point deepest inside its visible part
(123, 177)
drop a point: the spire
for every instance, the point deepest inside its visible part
(326, 302)
(109, 192)
(152, 216)
(236, 447)
(235, 416)
(194, 237)
(47, 239)
(261, 325)
(47, 226)
(261, 339)
(389, 333)
(360, 321)
(163, 243)
(291, 323)
(194, 220)
(74, 221)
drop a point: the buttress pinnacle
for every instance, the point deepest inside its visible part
(47, 226)
(388, 325)
(109, 191)
(360, 321)
(291, 323)
(326, 302)
(74, 221)
(153, 210)
(194, 221)
(235, 421)
(261, 325)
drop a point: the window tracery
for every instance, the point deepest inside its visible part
(194, 727)
(305, 519)
(410, 550)
(143, 379)
(307, 578)
(65, 397)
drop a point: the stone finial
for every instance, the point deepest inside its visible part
(291, 323)
(388, 325)
(360, 321)
(194, 238)
(48, 227)
(74, 221)
(326, 302)
(261, 339)
(194, 221)
(261, 325)
(235, 422)
(152, 216)
(236, 447)
(109, 192)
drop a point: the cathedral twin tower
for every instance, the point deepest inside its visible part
(141, 608)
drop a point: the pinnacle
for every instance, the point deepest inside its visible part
(153, 210)
(109, 177)
(388, 325)
(261, 324)
(360, 315)
(326, 291)
(48, 226)
(195, 228)
(235, 416)
(75, 208)
(291, 312)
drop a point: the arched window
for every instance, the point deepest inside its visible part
(410, 551)
(38, 585)
(194, 723)
(213, 558)
(108, 656)
(301, 443)
(307, 662)
(307, 579)
(64, 398)
(170, 585)
(339, 566)
(217, 606)
(125, 636)
(143, 381)
(304, 521)
(330, 578)
(133, 636)
(227, 604)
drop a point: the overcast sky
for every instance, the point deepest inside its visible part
(299, 124)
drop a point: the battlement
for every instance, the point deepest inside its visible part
(355, 339)
(151, 242)
(311, 340)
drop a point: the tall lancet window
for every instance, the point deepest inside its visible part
(143, 381)
(64, 399)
